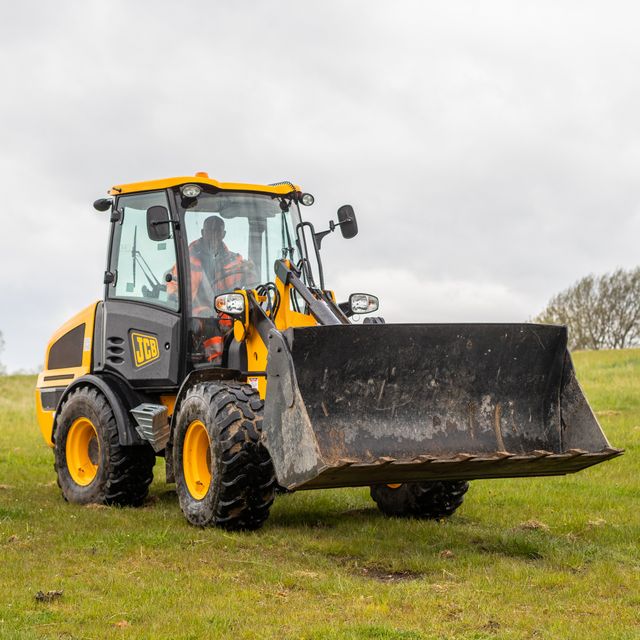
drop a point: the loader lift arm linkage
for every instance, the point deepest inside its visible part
(321, 307)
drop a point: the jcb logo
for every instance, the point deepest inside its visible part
(145, 349)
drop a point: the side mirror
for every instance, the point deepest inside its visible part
(363, 303)
(158, 223)
(358, 304)
(103, 204)
(347, 221)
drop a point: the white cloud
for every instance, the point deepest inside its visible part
(406, 296)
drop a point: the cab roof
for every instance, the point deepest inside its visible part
(201, 177)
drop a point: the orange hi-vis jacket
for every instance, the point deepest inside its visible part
(227, 271)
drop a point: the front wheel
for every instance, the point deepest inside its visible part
(92, 466)
(224, 475)
(430, 500)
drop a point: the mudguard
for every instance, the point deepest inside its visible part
(121, 399)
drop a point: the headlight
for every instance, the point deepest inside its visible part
(230, 303)
(363, 303)
(190, 190)
(306, 199)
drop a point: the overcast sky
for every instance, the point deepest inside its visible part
(491, 149)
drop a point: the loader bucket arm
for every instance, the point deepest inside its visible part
(351, 405)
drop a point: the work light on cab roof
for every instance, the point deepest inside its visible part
(191, 190)
(218, 347)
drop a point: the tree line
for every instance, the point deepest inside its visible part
(601, 312)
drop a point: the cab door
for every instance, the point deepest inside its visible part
(141, 332)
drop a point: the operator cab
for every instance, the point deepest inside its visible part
(172, 251)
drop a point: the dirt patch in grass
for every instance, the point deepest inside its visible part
(385, 575)
(596, 522)
(492, 626)
(377, 572)
(533, 525)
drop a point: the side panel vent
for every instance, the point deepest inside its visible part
(114, 350)
(67, 350)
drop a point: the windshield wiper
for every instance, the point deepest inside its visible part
(138, 259)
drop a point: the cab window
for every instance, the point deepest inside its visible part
(144, 268)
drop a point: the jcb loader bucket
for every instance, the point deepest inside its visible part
(352, 405)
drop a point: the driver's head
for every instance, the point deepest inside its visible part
(213, 232)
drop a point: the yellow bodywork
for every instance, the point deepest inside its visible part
(200, 178)
(169, 401)
(50, 378)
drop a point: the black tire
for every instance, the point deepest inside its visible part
(123, 474)
(429, 500)
(242, 479)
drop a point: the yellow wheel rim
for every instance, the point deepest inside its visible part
(196, 459)
(394, 486)
(83, 451)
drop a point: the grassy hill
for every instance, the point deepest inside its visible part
(530, 558)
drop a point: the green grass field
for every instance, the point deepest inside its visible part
(543, 558)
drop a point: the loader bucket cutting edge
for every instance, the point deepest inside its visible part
(353, 405)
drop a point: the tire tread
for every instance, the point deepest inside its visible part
(247, 480)
(129, 469)
(424, 500)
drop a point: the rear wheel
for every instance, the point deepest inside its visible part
(432, 500)
(224, 475)
(91, 465)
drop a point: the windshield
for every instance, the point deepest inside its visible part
(234, 240)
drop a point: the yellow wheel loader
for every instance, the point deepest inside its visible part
(218, 347)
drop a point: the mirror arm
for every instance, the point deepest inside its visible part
(155, 223)
(332, 227)
(318, 237)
